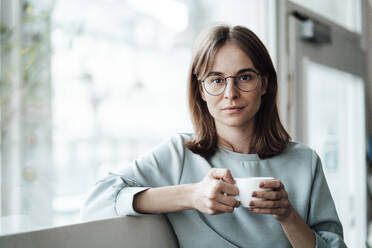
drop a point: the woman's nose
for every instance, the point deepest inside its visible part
(231, 91)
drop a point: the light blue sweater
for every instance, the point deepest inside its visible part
(171, 163)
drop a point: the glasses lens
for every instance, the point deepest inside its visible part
(247, 81)
(214, 84)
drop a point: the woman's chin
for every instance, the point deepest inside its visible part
(235, 123)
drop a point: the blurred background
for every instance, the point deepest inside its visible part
(87, 86)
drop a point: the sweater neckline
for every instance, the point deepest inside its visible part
(237, 155)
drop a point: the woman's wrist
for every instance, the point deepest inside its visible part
(297, 231)
(290, 218)
(164, 199)
(189, 190)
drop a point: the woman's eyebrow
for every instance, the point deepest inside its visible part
(246, 69)
(214, 73)
(240, 71)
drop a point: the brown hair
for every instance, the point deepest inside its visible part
(269, 136)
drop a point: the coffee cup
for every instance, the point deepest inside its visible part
(246, 186)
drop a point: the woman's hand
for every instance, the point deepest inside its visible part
(275, 201)
(214, 196)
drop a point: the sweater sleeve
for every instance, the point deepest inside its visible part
(323, 218)
(113, 195)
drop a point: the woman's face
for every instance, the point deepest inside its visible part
(229, 60)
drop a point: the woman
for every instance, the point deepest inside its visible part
(232, 91)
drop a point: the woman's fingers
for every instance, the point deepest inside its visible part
(222, 192)
(269, 204)
(229, 189)
(275, 201)
(220, 173)
(213, 195)
(271, 195)
(217, 187)
(276, 192)
(272, 184)
(228, 200)
(271, 211)
(278, 213)
(215, 207)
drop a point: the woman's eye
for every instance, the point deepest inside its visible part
(245, 77)
(217, 80)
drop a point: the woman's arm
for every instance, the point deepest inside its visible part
(144, 187)
(275, 202)
(322, 228)
(208, 196)
(163, 199)
(113, 195)
(297, 231)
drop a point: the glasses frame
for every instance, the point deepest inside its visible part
(235, 82)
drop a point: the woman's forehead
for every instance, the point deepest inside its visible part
(230, 59)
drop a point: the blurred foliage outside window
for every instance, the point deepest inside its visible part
(87, 86)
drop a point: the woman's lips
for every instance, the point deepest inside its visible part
(232, 110)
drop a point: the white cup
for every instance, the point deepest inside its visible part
(246, 186)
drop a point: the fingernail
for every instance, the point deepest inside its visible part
(251, 204)
(254, 194)
(261, 184)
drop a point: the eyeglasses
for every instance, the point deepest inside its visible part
(245, 81)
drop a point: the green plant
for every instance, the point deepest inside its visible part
(34, 50)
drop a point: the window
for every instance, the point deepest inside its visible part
(346, 13)
(93, 85)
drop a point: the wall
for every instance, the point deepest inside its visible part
(368, 40)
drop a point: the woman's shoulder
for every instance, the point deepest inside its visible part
(300, 157)
(170, 149)
(295, 145)
(174, 143)
(300, 150)
(178, 139)
(185, 137)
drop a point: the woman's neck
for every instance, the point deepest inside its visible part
(236, 139)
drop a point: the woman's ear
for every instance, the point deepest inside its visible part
(264, 85)
(201, 90)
